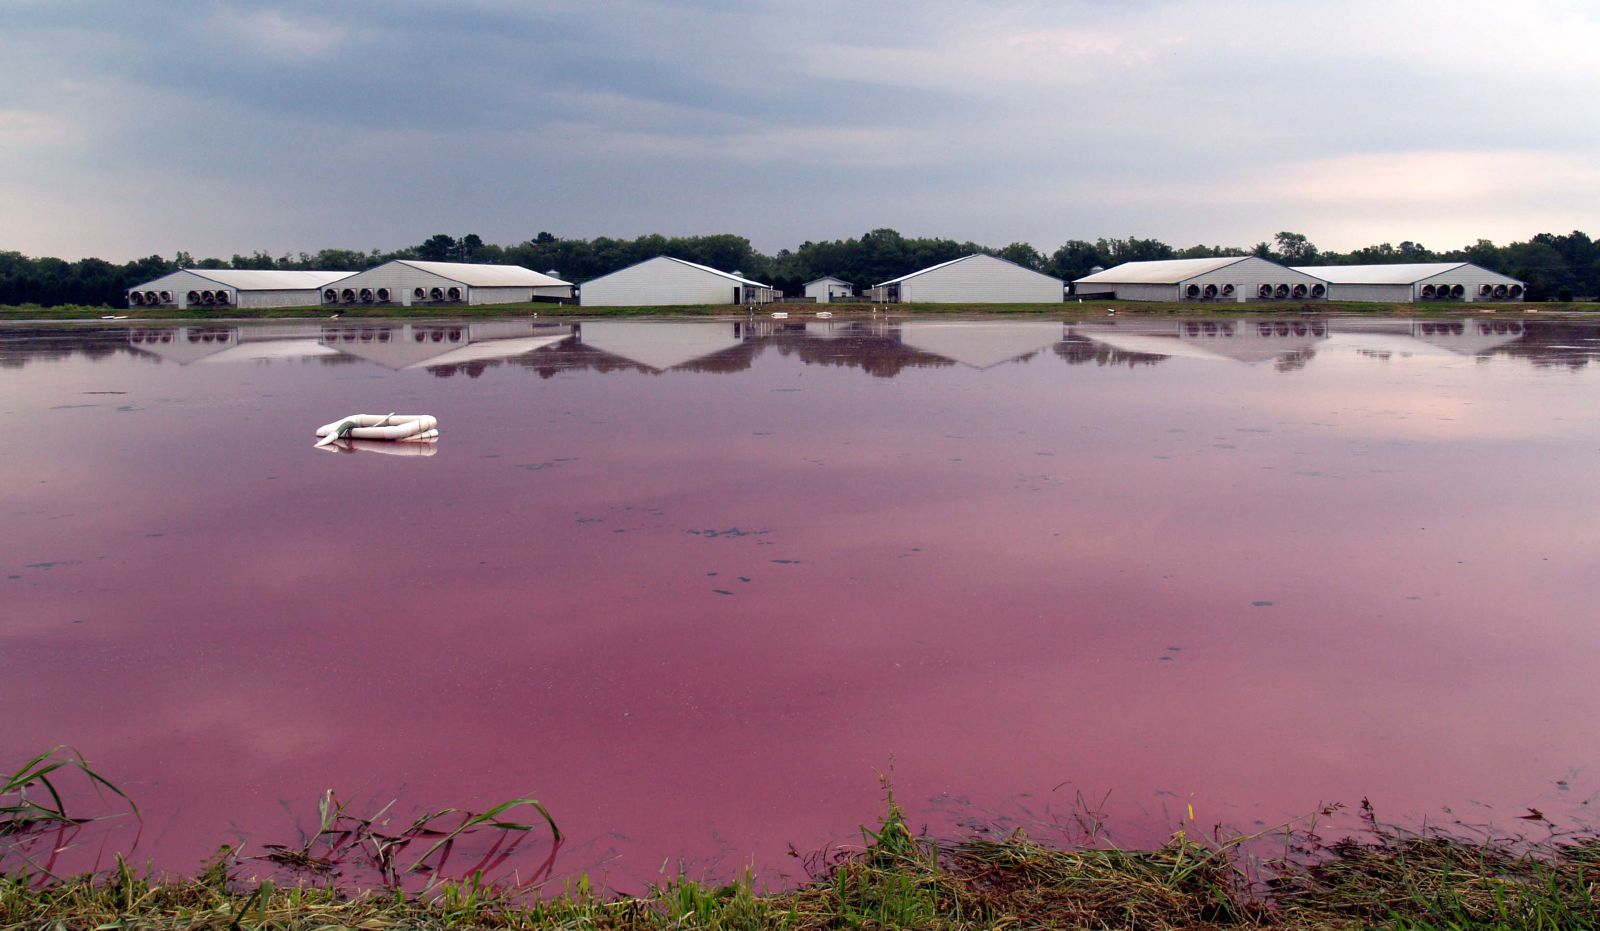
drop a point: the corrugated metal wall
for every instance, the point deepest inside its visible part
(309, 297)
(1141, 292)
(981, 279)
(1248, 276)
(180, 283)
(399, 279)
(657, 283)
(1469, 277)
(1383, 293)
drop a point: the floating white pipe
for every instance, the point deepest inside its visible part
(409, 428)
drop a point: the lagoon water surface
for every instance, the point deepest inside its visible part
(695, 584)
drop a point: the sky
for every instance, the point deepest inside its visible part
(215, 127)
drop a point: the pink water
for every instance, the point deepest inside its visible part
(695, 608)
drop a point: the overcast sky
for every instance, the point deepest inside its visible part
(217, 127)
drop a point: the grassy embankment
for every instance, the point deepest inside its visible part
(895, 879)
(1068, 309)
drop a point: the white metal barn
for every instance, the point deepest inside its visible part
(1419, 281)
(410, 282)
(1228, 278)
(972, 279)
(665, 281)
(233, 287)
(827, 288)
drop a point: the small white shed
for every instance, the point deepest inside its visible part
(972, 279)
(409, 282)
(221, 288)
(665, 281)
(1416, 281)
(827, 288)
(1225, 278)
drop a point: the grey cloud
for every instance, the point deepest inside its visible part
(374, 124)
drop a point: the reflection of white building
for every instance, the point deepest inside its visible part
(222, 288)
(660, 345)
(979, 344)
(1228, 279)
(395, 346)
(825, 289)
(1247, 341)
(426, 345)
(212, 343)
(1416, 281)
(1427, 337)
(972, 279)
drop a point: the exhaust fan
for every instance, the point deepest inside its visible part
(193, 297)
(419, 294)
(455, 294)
(436, 294)
(224, 297)
(1264, 291)
(1281, 291)
(347, 295)
(1211, 290)
(366, 295)
(1501, 290)
(1299, 291)
(1318, 290)
(1227, 290)
(383, 295)
(330, 296)
(1192, 291)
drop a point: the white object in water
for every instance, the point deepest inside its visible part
(402, 428)
(780, 315)
(825, 314)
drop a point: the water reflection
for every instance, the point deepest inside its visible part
(882, 347)
(1049, 551)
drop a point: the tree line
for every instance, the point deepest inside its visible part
(1555, 266)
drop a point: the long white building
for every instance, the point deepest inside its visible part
(409, 282)
(1416, 281)
(665, 282)
(233, 287)
(1228, 279)
(972, 279)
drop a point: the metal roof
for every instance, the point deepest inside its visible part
(825, 278)
(975, 255)
(706, 268)
(1165, 271)
(487, 276)
(250, 279)
(1408, 273)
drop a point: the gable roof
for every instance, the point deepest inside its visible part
(825, 278)
(486, 276)
(1162, 271)
(254, 279)
(964, 258)
(1404, 273)
(706, 268)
